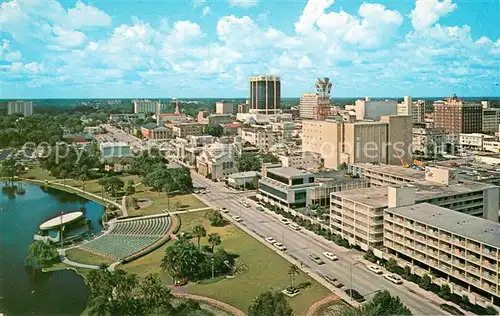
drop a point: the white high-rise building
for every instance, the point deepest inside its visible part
(415, 109)
(224, 107)
(306, 106)
(20, 107)
(146, 106)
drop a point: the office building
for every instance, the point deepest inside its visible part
(414, 109)
(265, 94)
(463, 250)
(224, 107)
(491, 119)
(455, 116)
(20, 107)
(216, 119)
(308, 101)
(368, 109)
(184, 129)
(146, 106)
(429, 141)
(387, 141)
(301, 160)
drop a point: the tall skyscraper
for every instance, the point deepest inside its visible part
(265, 94)
(20, 107)
(308, 101)
(455, 116)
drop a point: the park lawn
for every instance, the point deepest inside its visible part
(85, 257)
(149, 263)
(38, 174)
(161, 202)
(263, 270)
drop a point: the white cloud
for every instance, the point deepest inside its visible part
(243, 3)
(186, 31)
(313, 10)
(63, 39)
(7, 53)
(427, 12)
(85, 16)
(206, 11)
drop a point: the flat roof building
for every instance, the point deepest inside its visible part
(455, 116)
(265, 94)
(463, 250)
(20, 107)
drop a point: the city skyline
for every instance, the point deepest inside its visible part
(202, 49)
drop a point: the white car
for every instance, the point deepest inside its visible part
(330, 255)
(294, 226)
(245, 204)
(394, 278)
(237, 218)
(284, 221)
(280, 246)
(270, 240)
(375, 269)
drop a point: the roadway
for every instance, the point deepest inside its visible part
(301, 244)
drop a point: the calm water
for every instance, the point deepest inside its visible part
(21, 291)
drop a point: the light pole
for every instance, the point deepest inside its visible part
(350, 276)
(213, 274)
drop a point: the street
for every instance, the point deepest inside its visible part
(301, 244)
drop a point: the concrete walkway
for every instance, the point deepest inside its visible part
(319, 304)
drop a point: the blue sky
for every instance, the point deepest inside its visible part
(202, 48)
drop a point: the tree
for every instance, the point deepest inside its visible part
(41, 255)
(214, 240)
(391, 265)
(425, 282)
(130, 188)
(181, 260)
(155, 295)
(9, 170)
(114, 185)
(216, 219)
(490, 310)
(293, 270)
(270, 304)
(215, 131)
(248, 162)
(266, 157)
(342, 166)
(383, 303)
(370, 256)
(198, 232)
(84, 177)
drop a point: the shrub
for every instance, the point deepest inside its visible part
(370, 256)
(391, 265)
(176, 229)
(425, 282)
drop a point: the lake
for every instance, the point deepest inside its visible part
(23, 292)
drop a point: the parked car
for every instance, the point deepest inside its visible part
(237, 218)
(333, 280)
(451, 309)
(285, 221)
(330, 255)
(224, 210)
(270, 240)
(355, 295)
(294, 226)
(245, 204)
(374, 268)
(394, 278)
(260, 208)
(280, 246)
(316, 259)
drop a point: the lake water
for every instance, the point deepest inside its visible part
(21, 291)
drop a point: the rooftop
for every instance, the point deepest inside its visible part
(475, 228)
(376, 197)
(396, 171)
(114, 144)
(289, 172)
(242, 175)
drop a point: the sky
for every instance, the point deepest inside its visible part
(203, 48)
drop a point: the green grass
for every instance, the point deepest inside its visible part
(261, 269)
(334, 309)
(161, 202)
(38, 173)
(85, 257)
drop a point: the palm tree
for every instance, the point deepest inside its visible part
(293, 270)
(214, 240)
(102, 182)
(84, 177)
(199, 231)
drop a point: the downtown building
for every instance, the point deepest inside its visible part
(456, 116)
(20, 107)
(146, 106)
(340, 142)
(265, 94)
(414, 109)
(308, 101)
(224, 107)
(367, 109)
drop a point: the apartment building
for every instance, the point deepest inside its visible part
(20, 107)
(358, 215)
(148, 106)
(463, 251)
(368, 109)
(184, 129)
(308, 101)
(456, 116)
(415, 109)
(301, 160)
(387, 141)
(491, 120)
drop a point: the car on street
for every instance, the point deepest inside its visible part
(451, 309)
(355, 295)
(330, 255)
(333, 280)
(294, 226)
(259, 208)
(280, 246)
(374, 268)
(316, 259)
(224, 210)
(394, 278)
(285, 221)
(270, 240)
(237, 218)
(245, 204)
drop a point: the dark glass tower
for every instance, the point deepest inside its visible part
(265, 94)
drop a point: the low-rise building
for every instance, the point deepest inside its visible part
(217, 161)
(301, 160)
(187, 149)
(465, 250)
(216, 119)
(243, 180)
(261, 138)
(114, 150)
(231, 129)
(126, 117)
(184, 129)
(153, 131)
(491, 145)
(173, 117)
(473, 140)
(429, 141)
